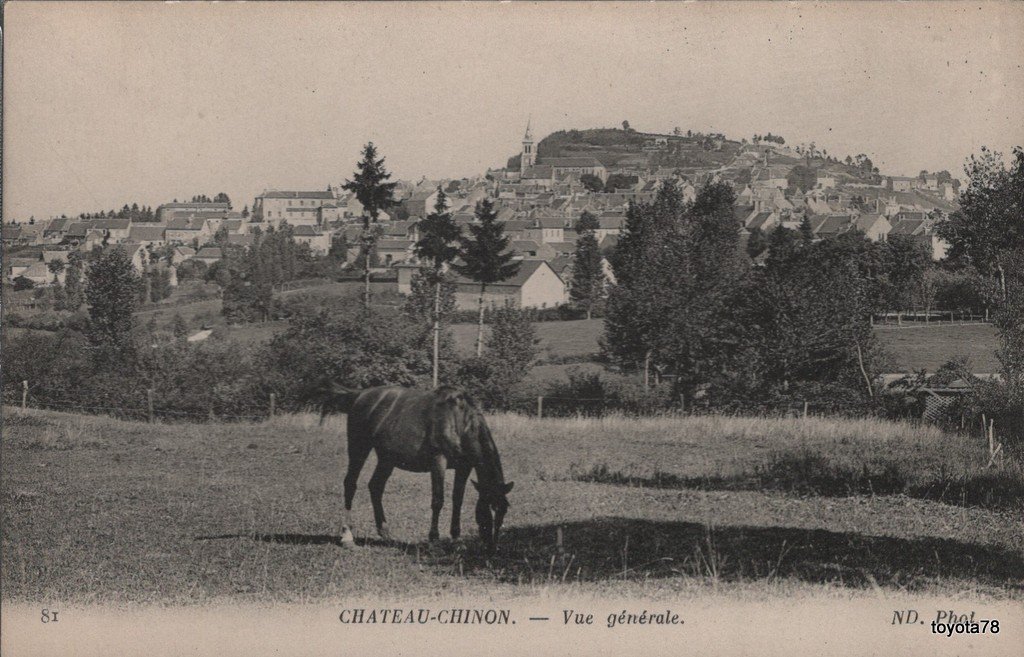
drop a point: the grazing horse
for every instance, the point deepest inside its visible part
(423, 431)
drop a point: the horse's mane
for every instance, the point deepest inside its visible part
(336, 398)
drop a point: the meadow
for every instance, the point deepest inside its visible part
(101, 510)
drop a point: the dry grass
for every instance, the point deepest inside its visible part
(96, 509)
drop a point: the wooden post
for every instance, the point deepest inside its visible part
(805, 410)
(24, 395)
(559, 548)
(540, 406)
(273, 403)
(149, 404)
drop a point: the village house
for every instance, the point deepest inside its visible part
(391, 252)
(168, 211)
(295, 207)
(535, 286)
(209, 255)
(545, 229)
(184, 230)
(533, 250)
(319, 242)
(875, 227)
(148, 234)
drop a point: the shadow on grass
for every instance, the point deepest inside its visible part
(307, 539)
(815, 474)
(623, 548)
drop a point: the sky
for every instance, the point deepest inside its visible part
(107, 104)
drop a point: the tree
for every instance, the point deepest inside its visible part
(673, 266)
(222, 198)
(806, 230)
(591, 182)
(74, 293)
(23, 283)
(587, 286)
(111, 292)
(625, 126)
(511, 350)
(802, 178)
(486, 257)
(437, 247)
(619, 181)
(989, 226)
(757, 243)
(372, 189)
(179, 328)
(55, 266)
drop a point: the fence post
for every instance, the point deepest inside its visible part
(149, 404)
(540, 406)
(24, 395)
(805, 410)
(273, 403)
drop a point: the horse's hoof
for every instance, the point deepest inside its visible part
(347, 539)
(384, 533)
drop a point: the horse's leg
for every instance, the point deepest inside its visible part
(377, 483)
(358, 451)
(436, 494)
(458, 490)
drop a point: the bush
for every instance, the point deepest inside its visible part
(590, 393)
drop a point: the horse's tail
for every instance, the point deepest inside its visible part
(337, 399)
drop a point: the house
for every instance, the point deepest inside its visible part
(295, 207)
(421, 203)
(168, 211)
(146, 234)
(209, 255)
(921, 231)
(182, 253)
(535, 286)
(546, 229)
(184, 230)
(391, 251)
(833, 226)
(54, 231)
(533, 250)
(903, 183)
(136, 253)
(319, 243)
(874, 226)
(575, 167)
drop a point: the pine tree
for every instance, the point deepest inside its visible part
(369, 183)
(806, 231)
(486, 257)
(180, 328)
(438, 247)
(587, 287)
(74, 294)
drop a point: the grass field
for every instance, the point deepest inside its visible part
(98, 510)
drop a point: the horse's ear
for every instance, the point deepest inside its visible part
(508, 487)
(475, 485)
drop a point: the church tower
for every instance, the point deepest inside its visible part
(529, 155)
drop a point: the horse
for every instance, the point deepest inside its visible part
(423, 431)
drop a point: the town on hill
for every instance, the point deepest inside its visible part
(539, 195)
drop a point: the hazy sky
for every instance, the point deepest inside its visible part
(107, 104)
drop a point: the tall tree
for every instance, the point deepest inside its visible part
(486, 257)
(437, 247)
(989, 226)
(112, 294)
(370, 185)
(587, 287)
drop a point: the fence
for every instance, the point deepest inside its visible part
(148, 409)
(917, 318)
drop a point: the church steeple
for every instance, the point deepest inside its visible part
(529, 155)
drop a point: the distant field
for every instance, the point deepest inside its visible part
(914, 348)
(929, 347)
(97, 510)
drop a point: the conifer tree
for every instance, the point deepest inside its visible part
(372, 189)
(486, 257)
(438, 247)
(587, 286)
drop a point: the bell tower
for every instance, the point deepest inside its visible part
(529, 154)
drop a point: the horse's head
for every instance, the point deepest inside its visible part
(491, 507)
